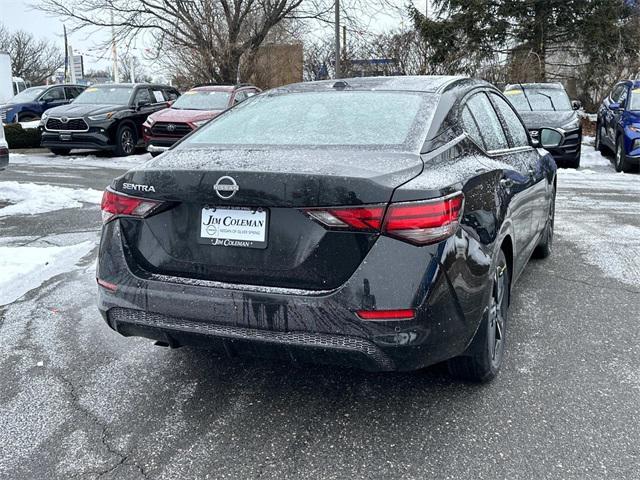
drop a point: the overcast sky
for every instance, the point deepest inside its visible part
(19, 15)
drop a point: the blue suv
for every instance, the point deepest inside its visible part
(618, 125)
(31, 103)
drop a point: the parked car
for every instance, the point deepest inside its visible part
(193, 109)
(105, 117)
(548, 105)
(618, 125)
(4, 149)
(377, 222)
(30, 104)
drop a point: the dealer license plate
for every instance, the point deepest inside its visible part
(234, 227)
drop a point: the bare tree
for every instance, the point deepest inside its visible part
(218, 35)
(32, 59)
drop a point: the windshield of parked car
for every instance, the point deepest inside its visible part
(105, 95)
(28, 95)
(395, 120)
(535, 99)
(202, 100)
(634, 100)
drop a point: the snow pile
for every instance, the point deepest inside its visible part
(32, 124)
(79, 159)
(25, 268)
(31, 198)
(589, 157)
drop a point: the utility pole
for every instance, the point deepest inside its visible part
(114, 52)
(132, 67)
(344, 44)
(338, 52)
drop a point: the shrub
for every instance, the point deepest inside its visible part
(18, 137)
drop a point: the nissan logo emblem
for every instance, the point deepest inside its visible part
(64, 119)
(226, 187)
(171, 127)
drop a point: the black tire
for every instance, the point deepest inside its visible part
(27, 118)
(598, 145)
(126, 141)
(482, 360)
(60, 151)
(574, 162)
(620, 159)
(545, 247)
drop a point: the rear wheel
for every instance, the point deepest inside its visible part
(126, 141)
(484, 356)
(543, 250)
(621, 157)
(60, 151)
(598, 145)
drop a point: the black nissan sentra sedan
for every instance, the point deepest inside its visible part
(375, 222)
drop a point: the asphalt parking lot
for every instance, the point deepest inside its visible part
(79, 401)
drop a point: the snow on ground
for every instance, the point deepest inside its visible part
(598, 210)
(32, 198)
(25, 268)
(78, 160)
(32, 124)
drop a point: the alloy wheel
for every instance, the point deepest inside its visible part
(128, 144)
(497, 311)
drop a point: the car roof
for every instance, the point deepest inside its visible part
(541, 85)
(215, 88)
(409, 83)
(131, 85)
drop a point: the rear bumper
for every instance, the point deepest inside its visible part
(87, 140)
(317, 326)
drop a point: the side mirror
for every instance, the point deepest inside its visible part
(576, 104)
(550, 138)
(614, 106)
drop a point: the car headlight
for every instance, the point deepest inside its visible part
(572, 125)
(103, 116)
(199, 123)
(44, 116)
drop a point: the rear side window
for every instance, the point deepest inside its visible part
(512, 124)
(488, 122)
(171, 94)
(240, 97)
(470, 126)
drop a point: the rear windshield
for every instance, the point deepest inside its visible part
(539, 99)
(392, 120)
(202, 100)
(105, 95)
(28, 95)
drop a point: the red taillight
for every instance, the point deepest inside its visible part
(405, 314)
(116, 204)
(420, 223)
(425, 222)
(358, 218)
(112, 287)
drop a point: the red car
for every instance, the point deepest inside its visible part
(191, 110)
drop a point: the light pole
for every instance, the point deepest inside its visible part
(337, 52)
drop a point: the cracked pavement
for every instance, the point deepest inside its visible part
(79, 401)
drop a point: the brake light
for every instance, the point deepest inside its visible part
(116, 204)
(359, 218)
(420, 223)
(404, 314)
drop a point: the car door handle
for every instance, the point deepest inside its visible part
(532, 172)
(506, 183)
